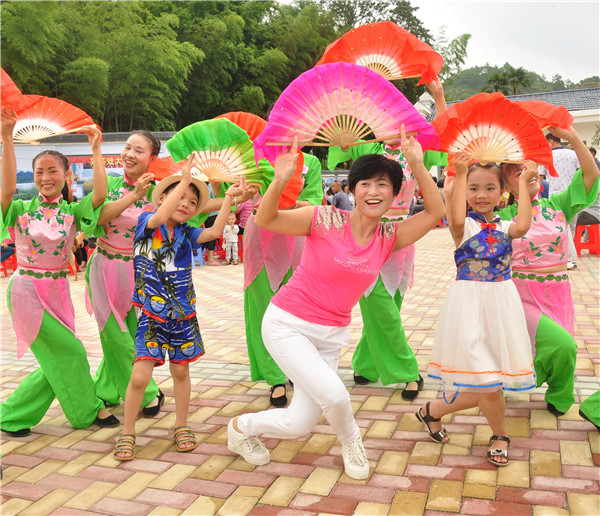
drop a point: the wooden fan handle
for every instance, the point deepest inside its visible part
(311, 143)
(56, 134)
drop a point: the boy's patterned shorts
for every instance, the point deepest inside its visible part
(181, 339)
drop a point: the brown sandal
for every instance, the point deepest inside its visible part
(183, 435)
(125, 444)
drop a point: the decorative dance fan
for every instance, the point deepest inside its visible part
(164, 167)
(547, 114)
(49, 117)
(12, 97)
(387, 49)
(220, 149)
(339, 104)
(252, 124)
(491, 128)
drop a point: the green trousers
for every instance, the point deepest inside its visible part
(591, 408)
(257, 297)
(64, 373)
(554, 362)
(383, 351)
(114, 371)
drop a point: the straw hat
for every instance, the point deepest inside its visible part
(175, 178)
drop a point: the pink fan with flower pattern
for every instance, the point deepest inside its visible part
(339, 104)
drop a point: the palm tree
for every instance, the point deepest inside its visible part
(517, 77)
(498, 81)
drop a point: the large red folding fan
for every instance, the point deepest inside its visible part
(49, 117)
(11, 96)
(340, 104)
(547, 114)
(387, 49)
(491, 128)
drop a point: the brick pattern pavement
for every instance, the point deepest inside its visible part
(554, 462)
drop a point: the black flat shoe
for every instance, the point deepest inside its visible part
(410, 395)
(279, 401)
(361, 380)
(553, 410)
(18, 433)
(107, 422)
(152, 411)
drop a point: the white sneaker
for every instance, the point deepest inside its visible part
(248, 446)
(571, 265)
(356, 463)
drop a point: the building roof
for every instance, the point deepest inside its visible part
(107, 137)
(574, 100)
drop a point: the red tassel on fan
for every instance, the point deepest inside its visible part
(387, 49)
(491, 128)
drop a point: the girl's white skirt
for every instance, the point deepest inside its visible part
(481, 341)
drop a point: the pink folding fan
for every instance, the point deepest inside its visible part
(340, 104)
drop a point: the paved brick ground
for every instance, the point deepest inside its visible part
(554, 462)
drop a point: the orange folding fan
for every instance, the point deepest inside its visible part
(387, 49)
(491, 128)
(49, 117)
(164, 167)
(252, 124)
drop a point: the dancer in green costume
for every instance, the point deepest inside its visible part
(590, 409)
(110, 275)
(540, 272)
(383, 351)
(269, 260)
(38, 294)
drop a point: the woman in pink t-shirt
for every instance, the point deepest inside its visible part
(306, 324)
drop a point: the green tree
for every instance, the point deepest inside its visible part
(32, 35)
(84, 82)
(498, 81)
(517, 77)
(453, 51)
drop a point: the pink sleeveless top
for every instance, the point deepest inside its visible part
(334, 271)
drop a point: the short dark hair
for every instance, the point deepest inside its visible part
(154, 141)
(593, 151)
(550, 136)
(371, 165)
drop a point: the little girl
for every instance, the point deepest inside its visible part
(481, 344)
(38, 293)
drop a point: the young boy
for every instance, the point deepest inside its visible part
(230, 239)
(164, 291)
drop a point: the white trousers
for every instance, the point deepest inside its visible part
(308, 354)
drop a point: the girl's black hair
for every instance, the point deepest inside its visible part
(154, 141)
(66, 191)
(371, 165)
(495, 167)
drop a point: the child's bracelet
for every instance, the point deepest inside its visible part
(234, 199)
